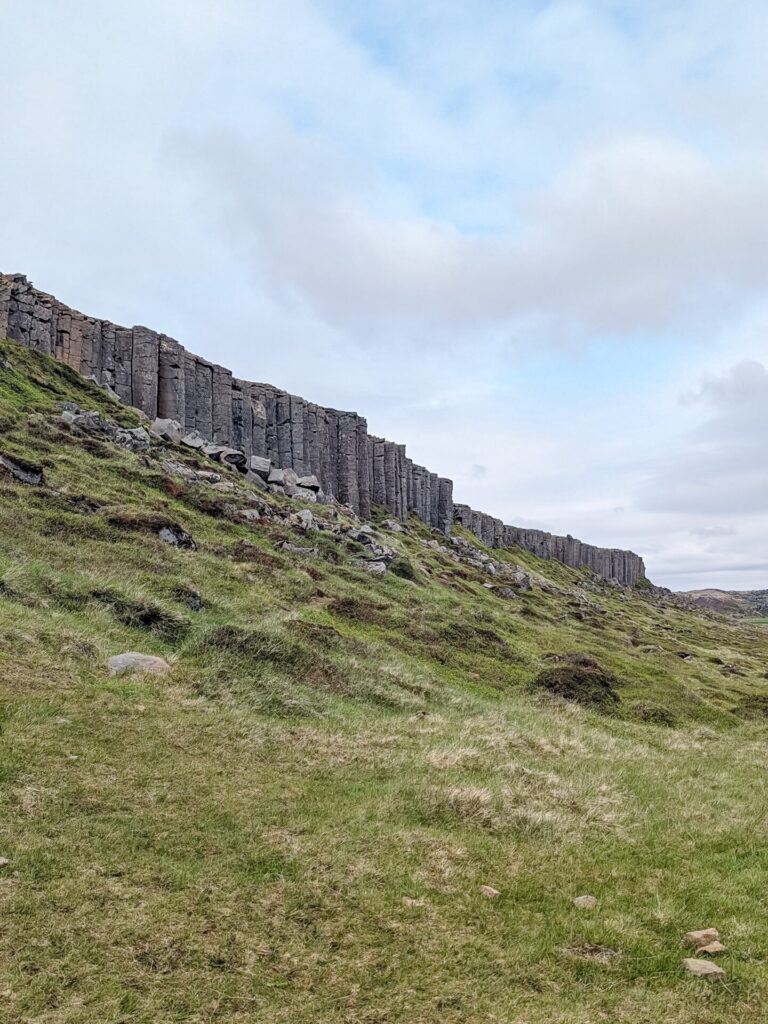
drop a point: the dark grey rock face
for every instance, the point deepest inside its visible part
(327, 453)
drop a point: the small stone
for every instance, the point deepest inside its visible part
(133, 663)
(489, 892)
(276, 476)
(4, 862)
(585, 902)
(177, 537)
(409, 901)
(703, 969)
(702, 937)
(711, 949)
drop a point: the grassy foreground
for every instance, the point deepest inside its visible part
(295, 823)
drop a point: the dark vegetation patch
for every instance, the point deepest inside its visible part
(152, 522)
(580, 678)
(210, 504)
(323, 637)
(136, 613)
(245, 551)
(753, 708)
(358, 610)
(257, 644)
(80, 504)
(467, 637)
(144, 614)
(655, 714)
(405, 569)
(188, 596)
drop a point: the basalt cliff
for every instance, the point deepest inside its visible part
(157, 375)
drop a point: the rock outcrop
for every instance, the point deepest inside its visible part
(329, 447)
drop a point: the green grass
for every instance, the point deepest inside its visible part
(294, 824)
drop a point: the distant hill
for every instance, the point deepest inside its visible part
(750, 603)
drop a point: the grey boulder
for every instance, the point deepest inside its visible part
(133, 663)
(167, 430)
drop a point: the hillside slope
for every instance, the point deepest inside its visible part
(294, 823)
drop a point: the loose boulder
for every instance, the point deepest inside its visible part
(193, 440)
(167, 430)
(258, 464)
(310, 483)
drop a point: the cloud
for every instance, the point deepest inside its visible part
(722, 469)
(641, 233)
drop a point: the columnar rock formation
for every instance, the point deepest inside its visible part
(610, 563)
(157, 375)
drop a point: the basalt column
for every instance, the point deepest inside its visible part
(242, 417)
(221, 383)
(171, 382)
(145, 358)
(204, 398)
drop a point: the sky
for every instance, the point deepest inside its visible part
(527, 238)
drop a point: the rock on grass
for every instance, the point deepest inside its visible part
(703, 969)
(133, 663)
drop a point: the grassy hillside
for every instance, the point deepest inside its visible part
(294, 823)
